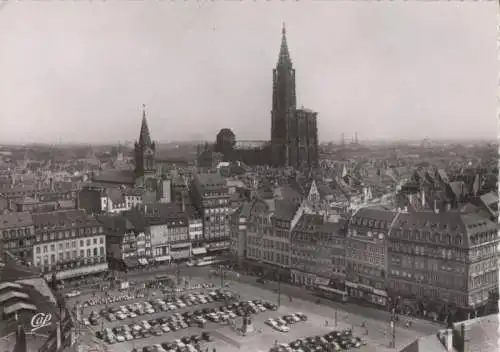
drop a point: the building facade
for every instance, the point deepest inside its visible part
(68, 244)
(210, 197)
(239, 220)
(196, 234)
(17, 234)
(441, 264)
(331, 259)
(168, 227)
(366, 254)
(305, 265)
(121, 242)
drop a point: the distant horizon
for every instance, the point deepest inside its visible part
(194, 142)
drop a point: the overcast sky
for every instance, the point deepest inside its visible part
(80, 71)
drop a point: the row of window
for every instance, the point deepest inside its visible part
(12, 234)
(365, 247)
(365, 281)
(428, 237)
(70, 244)
(53, 235)
(485, 279)
(69, 255)
(73, 264)
(17, 244)
(374, 224)
(366, 258)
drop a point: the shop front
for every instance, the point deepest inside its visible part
(218, 246)
(180, 251)
(366, 293)
(301, 278)
(163, 259)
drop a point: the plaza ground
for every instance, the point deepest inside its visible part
(264, 337)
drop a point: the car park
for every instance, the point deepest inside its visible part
(332, 341)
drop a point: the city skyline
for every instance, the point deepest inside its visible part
(73, 73)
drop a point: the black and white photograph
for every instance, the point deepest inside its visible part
(249, 176)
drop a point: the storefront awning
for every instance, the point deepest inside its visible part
(329, 289)
(130, 263)
(199, 250)
(321, 281)
(162, 258)
(180, 254)
(180, 245)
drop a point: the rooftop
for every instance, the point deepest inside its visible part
(481, 336)
(210, 180)
(15, 220)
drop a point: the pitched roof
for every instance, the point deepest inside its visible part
(14, 220)
(375, 214)
(118, 224)
(489, 198)
(13, 270)
(210, 180)
(284, 209)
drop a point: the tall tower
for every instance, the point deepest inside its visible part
(284, 103)
(145, 151)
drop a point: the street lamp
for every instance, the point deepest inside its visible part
(221, 268)
(279, 287)
(392, 325)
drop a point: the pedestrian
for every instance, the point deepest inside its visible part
(326, 323)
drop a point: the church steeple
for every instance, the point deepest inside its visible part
(284, 56)
(144, 137)
(284, 102)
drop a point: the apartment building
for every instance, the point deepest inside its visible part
(142, 236)
(17, 234)
(304, 261)
(239, 223)
(121, 242)
(442, 263)
(366, 254)
(331, 260)
(269, 231)
(195, 233)
(68, 244)
(210, 196)
(169, 230)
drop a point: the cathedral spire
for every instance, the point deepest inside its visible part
(284, 57)
(144, 137)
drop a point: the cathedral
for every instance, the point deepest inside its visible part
(294, 132)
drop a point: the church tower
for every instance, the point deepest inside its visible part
(145, 151)
(284, 103)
